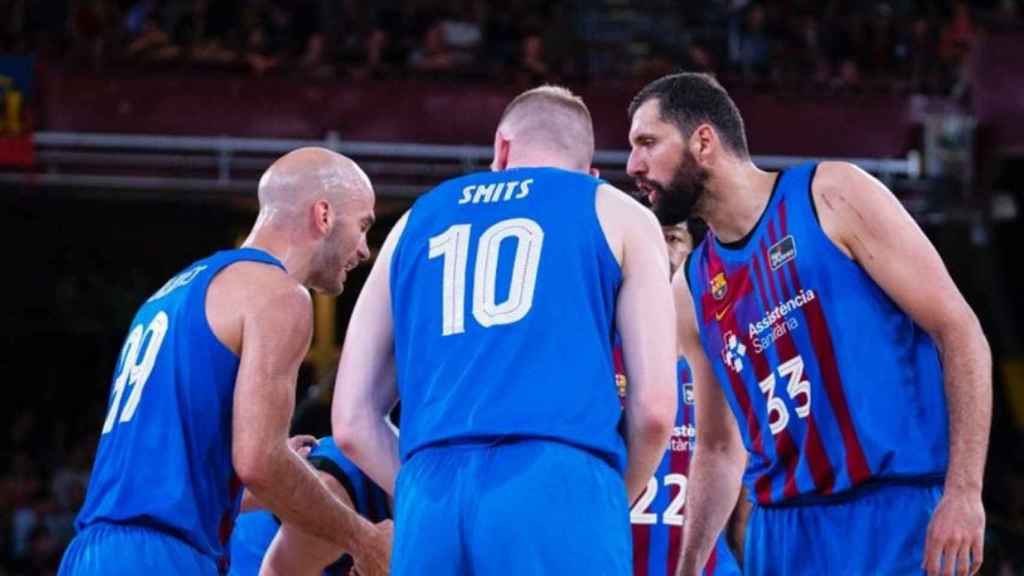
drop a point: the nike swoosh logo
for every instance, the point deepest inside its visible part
(721, 313)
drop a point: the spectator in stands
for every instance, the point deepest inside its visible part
(42, 556)
(146, 37)
(210, 30)
(462, 30)
(955, 43)
(751, 45)
(93, 28)
(922, 47)
(434, 55)
(533, 65)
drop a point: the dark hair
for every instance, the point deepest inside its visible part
(690, 99)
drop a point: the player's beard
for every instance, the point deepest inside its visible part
(329, 265)
(683, 196)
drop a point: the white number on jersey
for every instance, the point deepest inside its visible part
(673, 513)
(136, 366)
(799, 391)
(453, 245)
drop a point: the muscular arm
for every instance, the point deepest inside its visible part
(648, 340)
(295, 552)
(276, 334)
(865, 220)
(719, 458)
(365, 390)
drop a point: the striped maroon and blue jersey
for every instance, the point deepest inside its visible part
(657, 517)
(832, 384)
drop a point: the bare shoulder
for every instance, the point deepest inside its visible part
(623, 220)
(848, 200)
(613, 202)
(620, 213)
(247, 289)
(839, 184)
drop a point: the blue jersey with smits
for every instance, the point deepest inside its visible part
(832, 384)
(657, 516)
(164, 456)
(255, 530)
(503, 291)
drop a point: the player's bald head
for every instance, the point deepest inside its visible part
(306, 175)
(551, 119)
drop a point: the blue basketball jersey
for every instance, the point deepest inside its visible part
(255, 530)
(164, 456)
(503, 291)
(657, 517)
(832, 384)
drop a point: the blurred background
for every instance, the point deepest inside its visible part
(132, 134)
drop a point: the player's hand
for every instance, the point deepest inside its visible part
(376, 552)
(302, 444)
(955, 535)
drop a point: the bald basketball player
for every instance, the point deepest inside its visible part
(837, 369)
(205, 383)
(490, 311)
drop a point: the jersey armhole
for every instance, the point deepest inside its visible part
(686, 267)
(609, 251)
(247, 255)
(810, 193)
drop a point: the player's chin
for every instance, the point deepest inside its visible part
(331, 287)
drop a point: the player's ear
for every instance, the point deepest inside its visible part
(501, 148)
(595, 172)
(323, 217)
(703, 142)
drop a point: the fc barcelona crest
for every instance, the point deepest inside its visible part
(718, 286)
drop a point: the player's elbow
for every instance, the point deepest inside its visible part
(654, 420)
(253, 467)
(349, 436)
(346, 429)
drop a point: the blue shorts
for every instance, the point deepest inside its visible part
(250, 539)
(527, 507)
(878, 530)
(116, 550)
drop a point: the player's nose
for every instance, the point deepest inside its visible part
(363, 252)
(635, 166)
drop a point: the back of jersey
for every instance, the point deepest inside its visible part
(164, 457)
(503, 292)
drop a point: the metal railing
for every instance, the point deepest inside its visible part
(228, 164)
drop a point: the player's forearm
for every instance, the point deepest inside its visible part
(373, 447)
(713, 487)
(967, 364)
(646, 439)
(293, 553)
(290, 489)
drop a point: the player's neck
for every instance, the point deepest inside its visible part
(296, 262)
(540, 160)
(736, 198)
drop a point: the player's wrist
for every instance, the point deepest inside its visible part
(968, 491)
(959, 486)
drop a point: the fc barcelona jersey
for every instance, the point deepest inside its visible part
(832, 384)
(657, 517)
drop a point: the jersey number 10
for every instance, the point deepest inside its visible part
(453, 246)
(136, 366)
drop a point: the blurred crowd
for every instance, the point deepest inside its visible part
(42, 485)
(846, 45)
